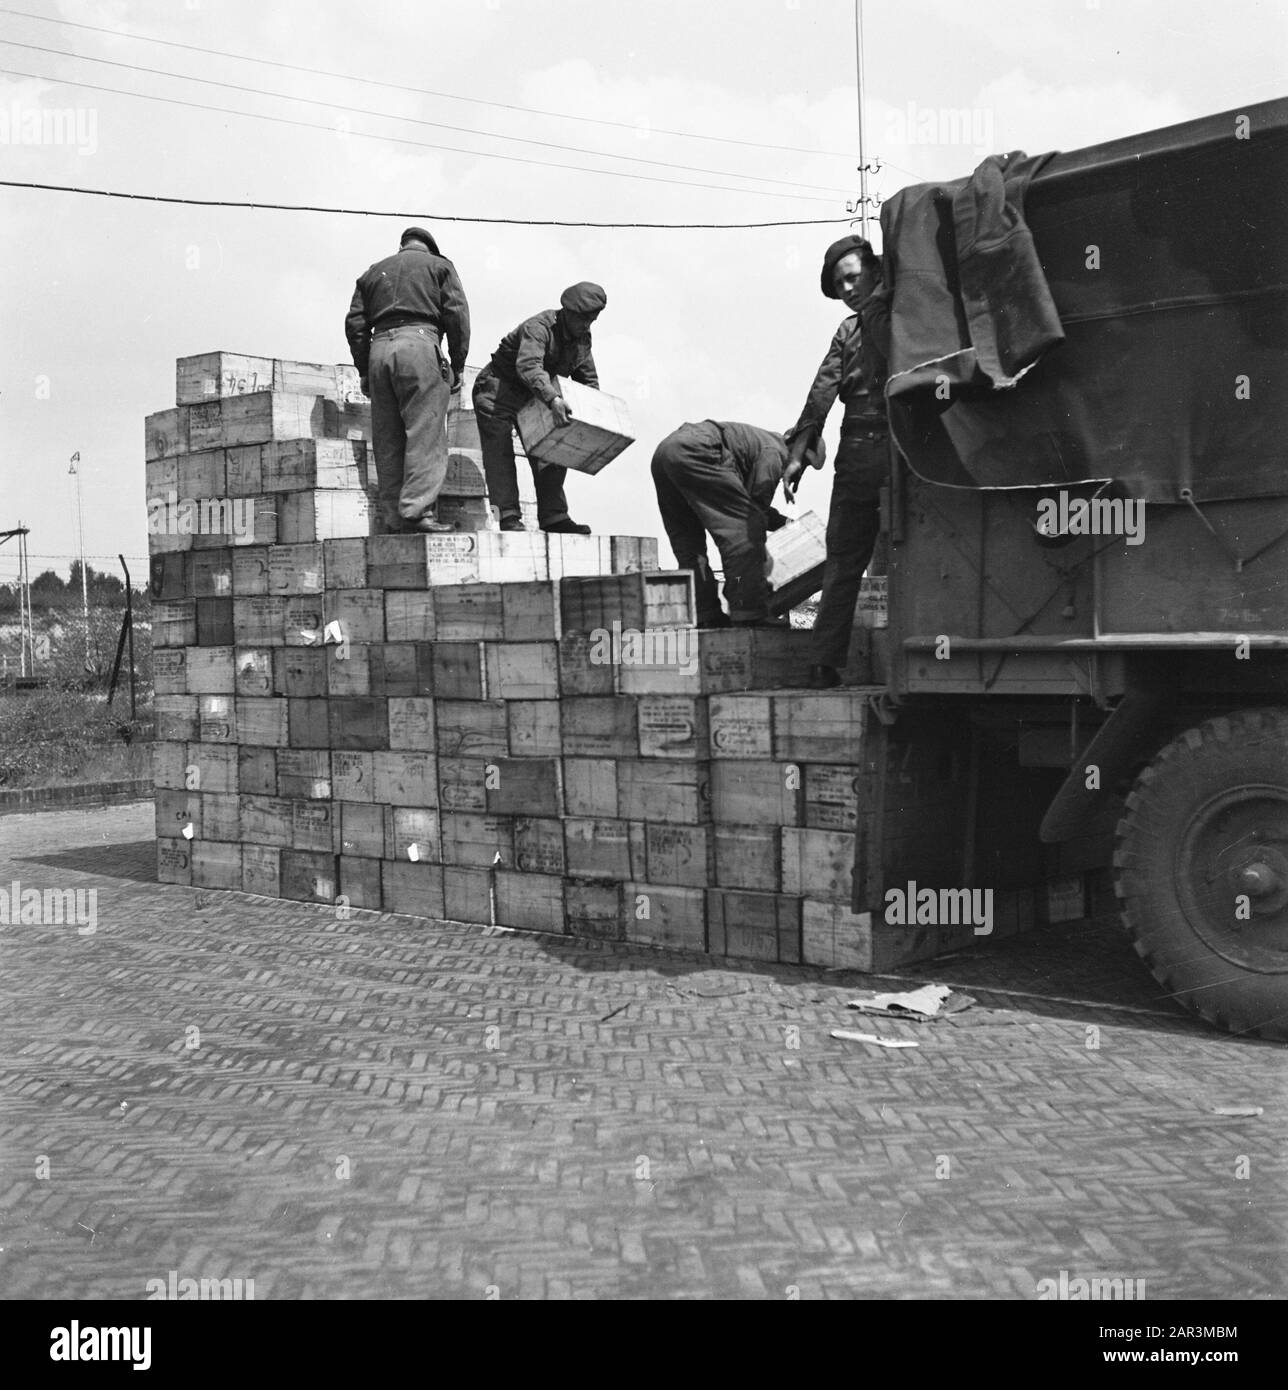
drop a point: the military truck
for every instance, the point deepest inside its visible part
(1090, 693)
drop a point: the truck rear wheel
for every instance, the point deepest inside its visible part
(1201, 869)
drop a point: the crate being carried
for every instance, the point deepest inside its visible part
(600, 429)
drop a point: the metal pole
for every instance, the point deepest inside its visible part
(858, 93)
(26, 627)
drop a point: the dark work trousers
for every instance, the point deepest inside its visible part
(409, 400)
(853, 523)
(699, 490)
(496, 410)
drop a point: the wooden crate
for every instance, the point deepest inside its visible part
(754, 926)
(250, 571)
(176, 719)
(590, 787)
(594, 910)
(161, 479)
(756, 793)
(741, 726)
(210, 375)
(348, 671)
(318, 516)
(462, 784)
(522, 670)
(834, 937)
(359, 722)
(679, 854)
(467, 895)
(314, 826)
(828, 727)
(396, 671)
(174, 625)
(353, 775)
(174, 862)
(582, 669)
(415, 835)
(411, 723)
(217, 718)
(600, 726)
(529, 611)
(604, 847)
(568, 556)
(361, 882)
(665, 916)
(178, 814)
(636, 601)
(533, 902)
(425, 561)
(168, 577)
(253, 671)
(309, 876)
(533, 728)
(406, 778)
(258, 418)
(467, 612)
(519, 786)
(305, 465)
(308, 723)
(256, 771)
(268, 821)
(296, 569)
(303, 620)
(538, 845)
(475, 840)
(216, 865)
(360, 613)
(215, 767)
(465, 476)
(366, 829)
(795, 555)
(748, 856)
(409, 616)
(170, 758)
(299, 671)
(673, 726)
(259, 621)
(471, 728)
(413, 889)
(170, 670)
(656, 789)
(835, 795)
(165, 434)
(210, 573)
(262, 722)
(345, 562)
(818, 864)
(600, 429)
(202, 475)
(304, 772)
(457, 670)
(244, 468)
(633, 553)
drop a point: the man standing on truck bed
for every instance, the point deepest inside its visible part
(854, 369)
(555, 342)
(400, 310)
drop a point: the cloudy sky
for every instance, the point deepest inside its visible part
(690, 111)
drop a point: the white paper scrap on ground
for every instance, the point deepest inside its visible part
(847, 1036)
(928, 1002)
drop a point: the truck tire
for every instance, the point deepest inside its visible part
(1201, 869)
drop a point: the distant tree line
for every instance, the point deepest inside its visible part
(49, 592)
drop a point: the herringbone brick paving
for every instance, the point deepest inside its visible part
(388, 1107)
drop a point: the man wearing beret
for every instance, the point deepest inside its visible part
(720, 477)
(855, 370)
(402, 308)
(555, 342)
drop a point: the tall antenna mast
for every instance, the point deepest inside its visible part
(858, 93)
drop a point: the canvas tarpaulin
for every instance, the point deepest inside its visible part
(1164, 364)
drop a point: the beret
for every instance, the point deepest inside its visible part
(420, 234)
(835, 254)
(583, 298)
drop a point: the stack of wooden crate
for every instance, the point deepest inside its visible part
(523, 730)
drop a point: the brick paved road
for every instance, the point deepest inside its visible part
(567, 1119)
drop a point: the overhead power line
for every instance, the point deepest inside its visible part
(422, 91)
(420, 144)
(416, 120)
(412, 216)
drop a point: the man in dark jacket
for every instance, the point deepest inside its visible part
(555, 342)
(401, 309)
(855, 370)
(720, 476)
